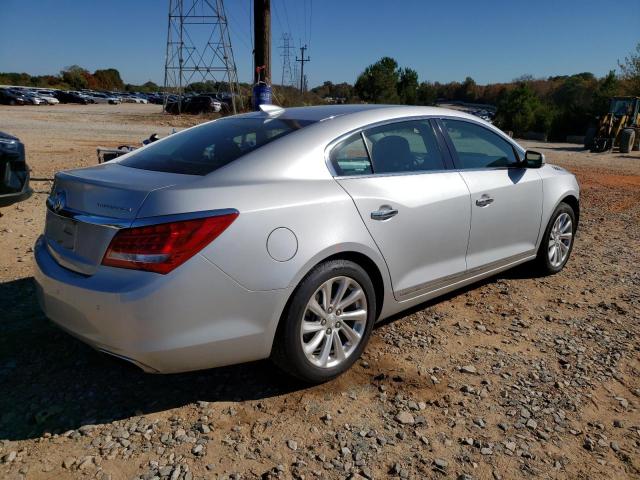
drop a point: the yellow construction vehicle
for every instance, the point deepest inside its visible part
(620, 127)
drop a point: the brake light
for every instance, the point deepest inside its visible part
(163, 247)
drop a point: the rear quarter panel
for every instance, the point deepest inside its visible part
(319, 212)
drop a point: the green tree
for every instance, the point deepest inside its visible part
(468, 91)
(408, 86)
(543, 117)
(630, 72)
(427, 94)
(75, 76)
(379, 82)
(517, 110)
(108, 79)
(608, 87)
(574, 100)
(334, 90)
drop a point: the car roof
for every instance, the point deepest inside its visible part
(327, 112)
(320, 112)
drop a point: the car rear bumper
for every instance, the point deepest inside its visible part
(196, 317)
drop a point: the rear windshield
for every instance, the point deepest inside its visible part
(204, 149)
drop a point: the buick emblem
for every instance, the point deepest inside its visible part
(58, 200)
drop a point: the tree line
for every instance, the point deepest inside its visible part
(556, 106)
(76, 77)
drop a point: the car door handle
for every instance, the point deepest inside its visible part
(484, 201)
(384, 214)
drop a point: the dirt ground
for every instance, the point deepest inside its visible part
(515, 377)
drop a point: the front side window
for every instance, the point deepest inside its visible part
(478, 147)
(206, 148)
(404, 147)
(350, 157)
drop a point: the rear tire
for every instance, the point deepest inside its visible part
(627, 140)
(557, 242)
(314, 355)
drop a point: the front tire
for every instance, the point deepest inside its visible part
(557, 241)
(327, 323)
(627, 140)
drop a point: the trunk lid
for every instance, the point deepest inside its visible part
(87, 206)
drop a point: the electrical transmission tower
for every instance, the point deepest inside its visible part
(199, 49)
(287, 73)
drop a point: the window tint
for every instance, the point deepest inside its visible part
(350, 157)
(478, 147)
(404, 147)
(204, 149)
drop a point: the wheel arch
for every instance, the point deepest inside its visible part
(574, 203)
(362, 259)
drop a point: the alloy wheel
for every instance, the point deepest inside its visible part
(334, 322)
(560, 239)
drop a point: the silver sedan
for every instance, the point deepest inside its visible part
(288, 233)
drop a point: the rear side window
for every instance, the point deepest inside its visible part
(478, 147)
(404, 147)
(206, 148)
(350, 157)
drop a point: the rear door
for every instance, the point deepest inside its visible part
(506, 197)
(416, 210)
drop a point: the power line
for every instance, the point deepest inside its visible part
(310, 19)
(250, 15)
(276, 10)
(241, 36)
(286, 16)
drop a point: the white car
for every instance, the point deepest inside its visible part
(47, 97)
(133, 99)
(98, 97)
(33, 98)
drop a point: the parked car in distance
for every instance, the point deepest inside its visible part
(70, 97)
(131, 98)
(14, 172)
(9, 97)
(33, 98)
(157, 99)
(99, 97)
(288, 233)
(48, 97)
(195, 105)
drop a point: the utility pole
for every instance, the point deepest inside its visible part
(302, 60)
(262, 39)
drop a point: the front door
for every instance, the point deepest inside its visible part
(506, 198)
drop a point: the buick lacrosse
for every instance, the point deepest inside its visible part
(287, 233)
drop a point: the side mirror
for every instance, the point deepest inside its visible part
(533, 159)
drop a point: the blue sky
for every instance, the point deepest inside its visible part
(443, 41)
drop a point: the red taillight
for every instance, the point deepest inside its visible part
(161, 248)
